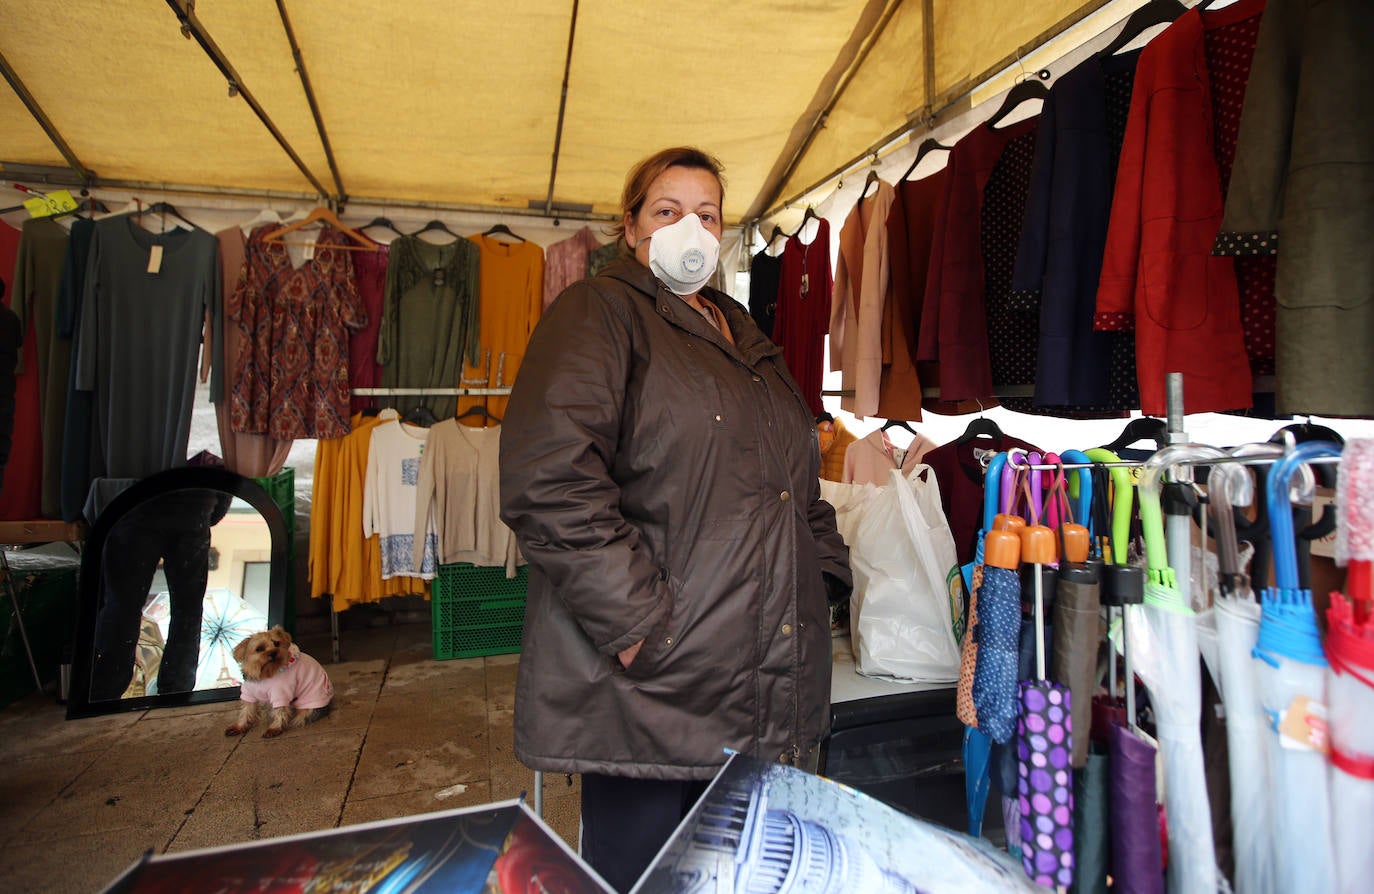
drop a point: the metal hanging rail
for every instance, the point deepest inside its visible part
(85, 174)
(437, 392)
(339, 193)
(191, 27)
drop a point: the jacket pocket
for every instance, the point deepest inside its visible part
(660, 641)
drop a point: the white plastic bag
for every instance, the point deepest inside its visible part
(900, 607)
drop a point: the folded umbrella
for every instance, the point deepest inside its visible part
(1136, 853)
(1350, 685)
(1163, 641)
(1292, 668)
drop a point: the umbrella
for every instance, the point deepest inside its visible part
(1163, 640)
(227, 621)
(1350, 684)
(1077, 605)
(1044, 744)
(977, 745)
(999, 626)
(1235, 620)
(1292, 677)
(1136, 855)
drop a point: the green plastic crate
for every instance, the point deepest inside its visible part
(477, 611)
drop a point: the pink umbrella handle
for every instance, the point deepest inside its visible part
(1053, 509)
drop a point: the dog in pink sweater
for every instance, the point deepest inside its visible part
(279, 677)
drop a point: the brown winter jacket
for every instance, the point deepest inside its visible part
(663, 485)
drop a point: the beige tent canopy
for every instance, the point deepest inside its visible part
(523, 107)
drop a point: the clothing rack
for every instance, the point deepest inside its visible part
(442, 392)
(1201, 461)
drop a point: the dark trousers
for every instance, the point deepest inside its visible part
(626, 821)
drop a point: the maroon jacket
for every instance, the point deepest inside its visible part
(1159, 273)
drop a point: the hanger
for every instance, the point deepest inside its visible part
(1143, 428)
(501, 229)
(928, 145)
(479, 410)
(380, 222)
(1156, 12)
(163, 208)
(897, 423)
(777, 231)
(809, 215)
(824, 416)
(980, 427)
(421, 415)
(322, 214)
(871, 179)
(1021, 91)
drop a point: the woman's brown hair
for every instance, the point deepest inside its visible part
(647, 171)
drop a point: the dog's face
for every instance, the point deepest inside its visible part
(263, 654)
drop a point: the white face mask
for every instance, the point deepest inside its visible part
(683, 255)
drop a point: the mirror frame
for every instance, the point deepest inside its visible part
(79, 703)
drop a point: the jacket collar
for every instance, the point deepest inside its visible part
(751, 345)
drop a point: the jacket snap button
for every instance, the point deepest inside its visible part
(758, 378)
(717, 417)
(787, 630)
(784, 496)
(667, 641)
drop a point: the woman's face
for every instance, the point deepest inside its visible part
(676, 193)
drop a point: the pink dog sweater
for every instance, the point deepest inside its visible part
(302, 684)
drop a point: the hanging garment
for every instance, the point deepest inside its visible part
(834, 450)
(566, 262)
(910, 229)
(20, 489)
(954, 325)
(961, 484)
(765, 276)
(1063, 236)
(130, 317)
(871, 459)
(389, 499)
(11, 337)
(293, 369)
(1158, 274)
(804, 290)
(1302, 176)
(600, 258)
(344, 563)
(512, 284)
(37, 274)
(78, 441)
(459, 495)
(429, 322)
(245, 453)
(369, 269)
(861, 294)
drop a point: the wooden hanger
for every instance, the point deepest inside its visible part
(479, 410)
(1021, 91)
(929, 145)
(322, 214)
(501, 229)
(1156, 12)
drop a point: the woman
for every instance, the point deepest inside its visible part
(660, 471)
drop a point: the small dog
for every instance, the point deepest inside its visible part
(278, 674)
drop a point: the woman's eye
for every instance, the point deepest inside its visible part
(708, 218)
(665, 212)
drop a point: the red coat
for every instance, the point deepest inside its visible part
(1159, 273)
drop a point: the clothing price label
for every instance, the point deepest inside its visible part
(310, 250)
(155, 259)
(805, 284)
(1303, 726)
(53, 203)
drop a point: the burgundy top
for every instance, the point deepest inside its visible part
(804, 311)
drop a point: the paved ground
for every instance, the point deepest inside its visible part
(80, 800)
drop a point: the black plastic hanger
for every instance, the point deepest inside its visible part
(777, 231)
(1156, 12)
(479, 410)
(826, 417)
(897, 423)
(1143, 428)
(380, 222)
(871, 179)
(503, 230)
(929, 145)
(980, 427)
(1022, 91)
(809, 215)
(163, 208)
(421, 415)
(436, 225)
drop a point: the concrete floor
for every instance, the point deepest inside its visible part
(80, 800)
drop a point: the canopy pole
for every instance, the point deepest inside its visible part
(562, 108)
(191, 27)
(339, 194)
(951, 101)
(44, 121)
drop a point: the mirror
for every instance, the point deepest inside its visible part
(177, 570)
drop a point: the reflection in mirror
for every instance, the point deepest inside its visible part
(175, 576)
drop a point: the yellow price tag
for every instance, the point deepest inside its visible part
(53, 203)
